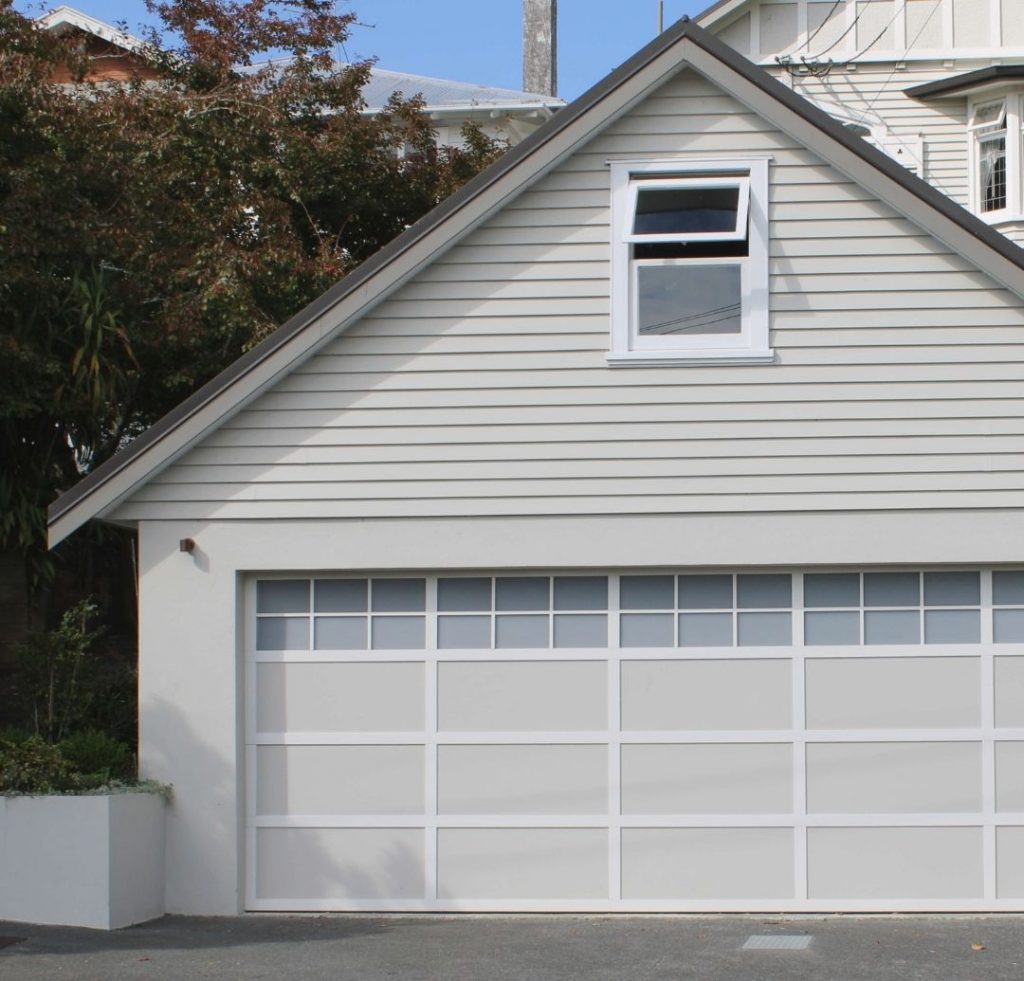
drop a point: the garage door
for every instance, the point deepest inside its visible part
(751, 741)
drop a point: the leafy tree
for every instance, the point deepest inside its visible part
(151, 231)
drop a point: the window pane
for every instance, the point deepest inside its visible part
(832, 589)
(522, 593)
(646, 593)
(399, 595)
(588, 630)
(340, 596)
(685, 210)
(705, 630)
(952, 627)
(992, 173)
(464, 594)
(1008, 588)
(764, 629)
(522, 631)
(769, 591)
(645, 630)
(282, 634)
(686, 300)
(1009, 626)
(581, 592)
(952, 589)
(831, 628)
(891, 589)
(705, 592)
(282, 596)
(892, 627)
(340, 633)
(463, 632)
(399, 633)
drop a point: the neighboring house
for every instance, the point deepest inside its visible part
(503, 114)
(939, 84)
(641, 530)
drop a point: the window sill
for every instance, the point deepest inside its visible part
(997, 218)
(672, 359)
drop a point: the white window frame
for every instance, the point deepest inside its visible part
(751, 345)
(977, 134)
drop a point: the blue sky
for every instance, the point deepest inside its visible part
(473, 40)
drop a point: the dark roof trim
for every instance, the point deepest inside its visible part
(957, 84)
(683, 29)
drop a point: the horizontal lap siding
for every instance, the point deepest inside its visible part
(878, 90)
(481, 387)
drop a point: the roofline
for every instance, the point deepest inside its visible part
(942, 217)
(958, 84)
(64, 14)
(718, 10)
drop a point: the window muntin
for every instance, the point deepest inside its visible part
(690, 268)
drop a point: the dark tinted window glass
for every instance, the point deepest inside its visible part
(671, 210)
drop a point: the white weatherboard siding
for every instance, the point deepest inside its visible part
(481, 387)
(870, 30)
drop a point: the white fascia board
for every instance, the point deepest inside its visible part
(719, 11)
(106, 497)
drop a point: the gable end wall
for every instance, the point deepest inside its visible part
(481, 387)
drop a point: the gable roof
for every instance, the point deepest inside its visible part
(683, 45)
(62, 19)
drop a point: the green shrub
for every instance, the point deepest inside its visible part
(11, 734)
(34, 767)
(97, 758)
(55, 673)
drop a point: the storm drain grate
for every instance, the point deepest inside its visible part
(10, 941)
(778, 942)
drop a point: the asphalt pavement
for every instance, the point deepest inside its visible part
(524, 948)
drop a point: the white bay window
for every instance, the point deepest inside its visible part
(994, 127)
(690, 262)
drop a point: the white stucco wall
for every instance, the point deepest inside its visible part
(191, 684)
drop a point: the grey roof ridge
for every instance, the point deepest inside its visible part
(563, 118)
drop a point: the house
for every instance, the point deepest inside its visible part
(937, 84)
(503, 114)
(641, 530)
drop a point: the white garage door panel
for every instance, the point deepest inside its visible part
(1010, 691)
(636, 741)
(707, 863)
(718, 778)
(522, 780)
(508, 696)
(339, 697)
(522, 863)
(883, 778)
(1010, 862)
(894, 693)
(340, 780)
(880, 863)
(701, 694)
(339, 863)
(1010, 777)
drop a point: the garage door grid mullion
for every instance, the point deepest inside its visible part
(800, 821)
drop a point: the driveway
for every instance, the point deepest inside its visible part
(524, 948)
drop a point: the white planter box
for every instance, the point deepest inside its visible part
(91, 861)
